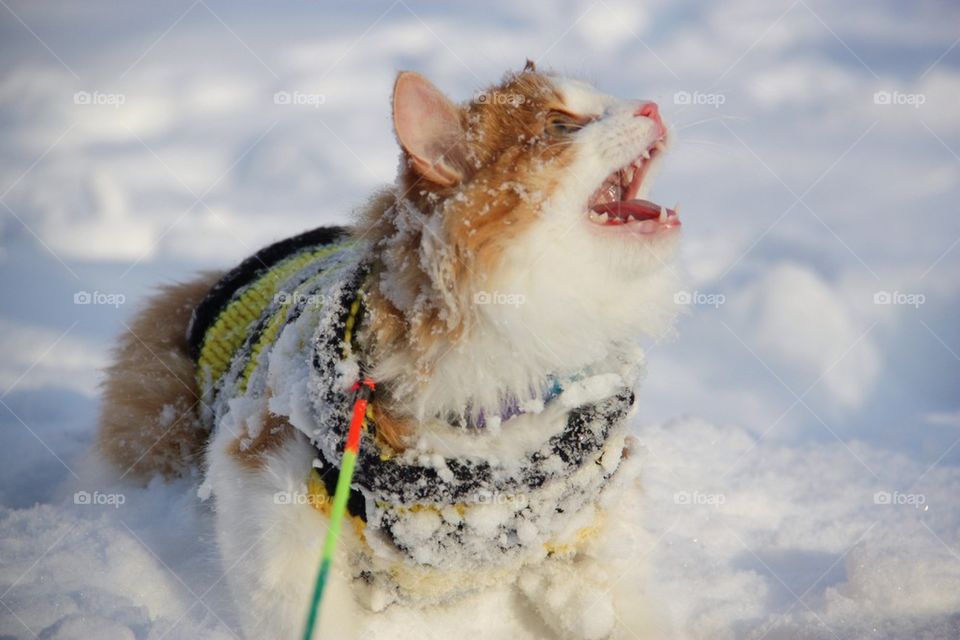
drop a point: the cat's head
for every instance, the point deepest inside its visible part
(535, 149)
(520, 215)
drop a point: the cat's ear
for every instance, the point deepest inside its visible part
(428, 128)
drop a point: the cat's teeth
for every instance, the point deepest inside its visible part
(659, 146)
(663, 214)
(599, 218)
(646, 154)
(676, 209)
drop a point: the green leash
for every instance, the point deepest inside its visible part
(363, 391)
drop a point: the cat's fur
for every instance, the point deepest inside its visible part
(490, 204)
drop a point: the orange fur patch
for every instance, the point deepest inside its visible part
(251, 454)
(390, 429)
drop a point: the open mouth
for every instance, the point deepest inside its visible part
(616, 204)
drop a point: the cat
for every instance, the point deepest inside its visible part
(496, 296)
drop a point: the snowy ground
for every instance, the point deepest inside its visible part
(802, 467)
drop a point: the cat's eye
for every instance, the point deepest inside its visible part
(561, 124)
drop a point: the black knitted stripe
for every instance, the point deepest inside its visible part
(247, 272)
(330, 474)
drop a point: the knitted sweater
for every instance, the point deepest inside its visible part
(287, 319)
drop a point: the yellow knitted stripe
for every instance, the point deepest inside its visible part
(348, 328)
(569, 548)
(232, 326)
(267, 337)
(420, 507)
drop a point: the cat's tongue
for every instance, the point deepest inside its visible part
(621, 211)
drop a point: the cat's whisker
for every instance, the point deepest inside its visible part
(681, 127)
(711, 143)
(563, 143)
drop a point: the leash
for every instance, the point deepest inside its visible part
(363, 391)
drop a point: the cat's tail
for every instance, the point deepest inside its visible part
(149, 420)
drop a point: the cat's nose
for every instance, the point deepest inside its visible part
(652, 111)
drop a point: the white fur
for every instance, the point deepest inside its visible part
(271, 548)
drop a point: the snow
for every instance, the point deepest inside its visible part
(796, 543)
(799, 466)
(810, 558)
(87, 570)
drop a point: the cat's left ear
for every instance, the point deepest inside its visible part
(428, 128)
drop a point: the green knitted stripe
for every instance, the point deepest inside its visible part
(232, 326)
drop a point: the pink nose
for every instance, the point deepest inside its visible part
(650, 110)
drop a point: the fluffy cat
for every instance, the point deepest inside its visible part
(497, 295)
